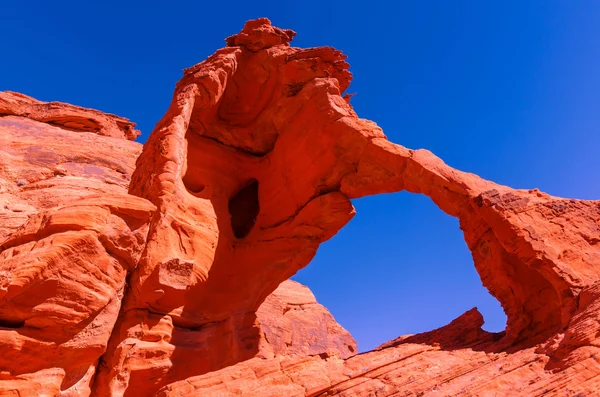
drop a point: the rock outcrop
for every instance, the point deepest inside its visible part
(70, 234)
(174, 287)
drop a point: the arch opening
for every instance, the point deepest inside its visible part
(400, 267)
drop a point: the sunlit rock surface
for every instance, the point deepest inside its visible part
(166, 275)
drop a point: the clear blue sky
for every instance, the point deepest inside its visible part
(509, 90)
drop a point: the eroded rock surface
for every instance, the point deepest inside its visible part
(295, 324)
(69, 236)
(251, 168)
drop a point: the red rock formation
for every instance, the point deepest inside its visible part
(457, 360)
(69, 235)
(49, 157)
(295, 324)
(68, 117)
(250, 169)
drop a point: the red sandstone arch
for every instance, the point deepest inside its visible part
(292, 131)
(265, 115)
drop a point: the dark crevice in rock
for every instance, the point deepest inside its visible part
(194, 188)
(244, 150)
(13, 324)
(244, 208)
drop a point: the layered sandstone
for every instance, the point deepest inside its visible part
(251, 168)
(70, 234)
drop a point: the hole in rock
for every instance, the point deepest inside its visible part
(194, 187)
(244, 208)
(401, 266)
(13, 324)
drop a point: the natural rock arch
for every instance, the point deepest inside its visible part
(299, 138)
(318, 155)
(172, 286)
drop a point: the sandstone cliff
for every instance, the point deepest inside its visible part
(164, 277)
(70, 234)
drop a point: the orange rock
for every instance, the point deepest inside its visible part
(46, 158)
(451, 361)
(68, 117)
(295, 324)
(70, 234)
(178, 284)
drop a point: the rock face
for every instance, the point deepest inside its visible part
(295, 324)
(70, 234)
(176, 286)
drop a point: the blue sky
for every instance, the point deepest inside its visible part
(508, 90)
